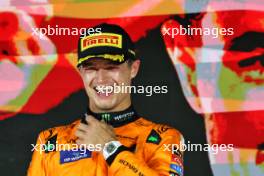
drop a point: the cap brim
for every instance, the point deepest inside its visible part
(115, 59)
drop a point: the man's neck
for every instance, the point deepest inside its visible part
(120, 107)
(116, 118)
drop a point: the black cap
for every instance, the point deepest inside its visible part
(111, 43)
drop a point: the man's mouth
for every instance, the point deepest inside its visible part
(251, 70)
(252, 61)
(104, 90)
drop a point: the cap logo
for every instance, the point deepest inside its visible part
(101, 39)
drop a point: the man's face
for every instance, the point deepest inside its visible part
(101, 77)
(223, 78)
(237, 90)
(223, 74)
(238, 61)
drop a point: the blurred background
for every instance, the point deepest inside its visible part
(40, 86)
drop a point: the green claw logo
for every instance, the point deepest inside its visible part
(106, 117)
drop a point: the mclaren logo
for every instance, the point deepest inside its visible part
(101, 39)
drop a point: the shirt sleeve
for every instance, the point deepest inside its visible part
(167, 159)
(36, 167)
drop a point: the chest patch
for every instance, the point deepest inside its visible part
(153, 137)
(67, 156)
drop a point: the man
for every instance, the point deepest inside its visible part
(223, 79)
(22, 57)
(123, 143)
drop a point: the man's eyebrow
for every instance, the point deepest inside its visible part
(87, 64)
(247, 42)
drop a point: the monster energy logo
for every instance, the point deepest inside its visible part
(106, 117)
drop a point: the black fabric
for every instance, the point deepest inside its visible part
(115, 119)
(112, 157)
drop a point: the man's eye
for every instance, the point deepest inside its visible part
(111, 68)
(89, 68)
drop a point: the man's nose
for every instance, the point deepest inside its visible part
(101, 75)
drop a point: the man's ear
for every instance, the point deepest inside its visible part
(79, 70)
(182, 52)
(135, 68)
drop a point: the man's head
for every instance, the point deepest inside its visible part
(225, 73)
(223, 79)
(107, 60)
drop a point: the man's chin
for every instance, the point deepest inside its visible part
(105, 108)
(105, 105)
